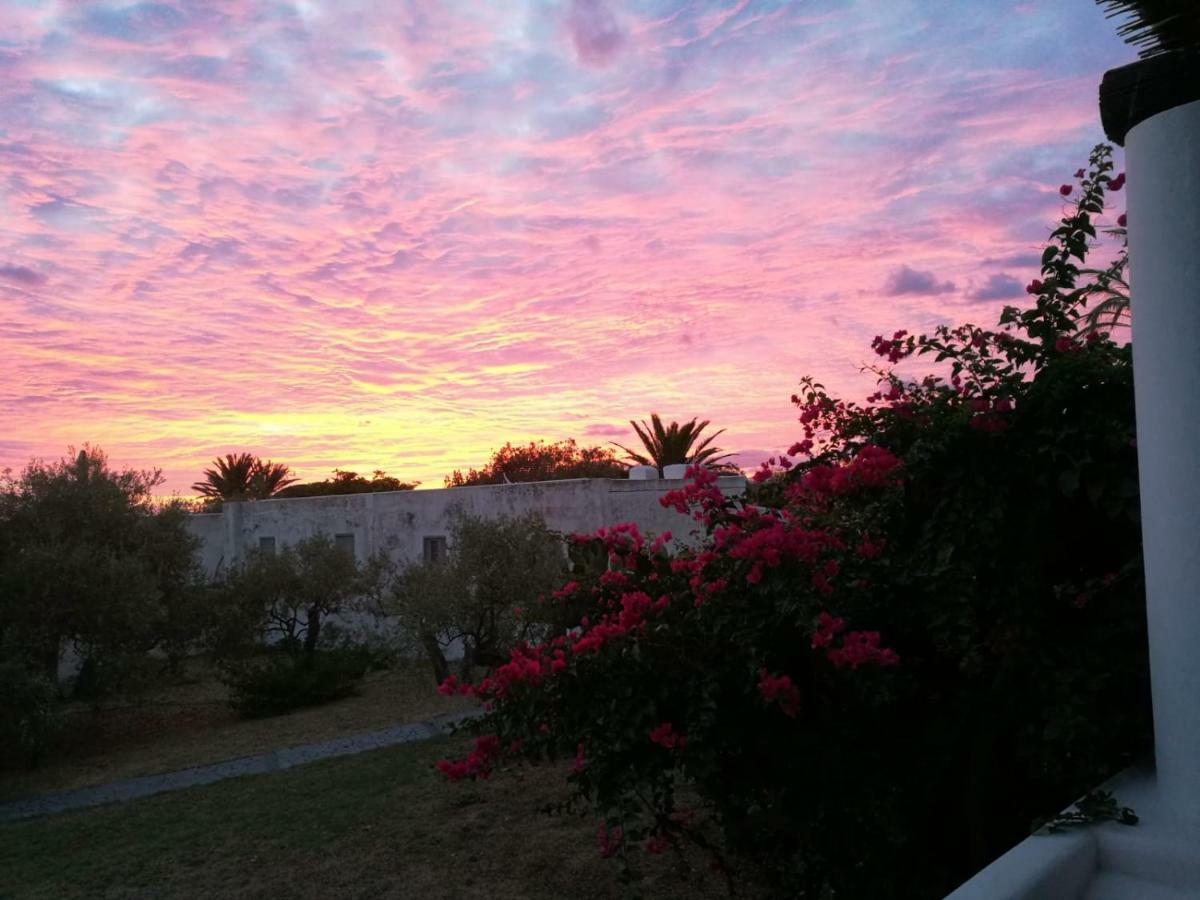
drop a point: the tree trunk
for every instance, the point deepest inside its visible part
(437, 659)
(50, 656)
(312, 630)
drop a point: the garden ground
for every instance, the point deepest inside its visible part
(189, 723)
(382, 824)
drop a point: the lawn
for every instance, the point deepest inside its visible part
(382, 824)
(188, 722)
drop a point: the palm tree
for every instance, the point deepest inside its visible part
(1110, 290)
(242, 477)
(1157, 26)
(676, 444)
(269, 477)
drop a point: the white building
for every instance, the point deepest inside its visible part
(412, 525)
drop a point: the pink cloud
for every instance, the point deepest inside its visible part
(595, 32)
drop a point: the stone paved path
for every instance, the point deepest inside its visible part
(276, 760)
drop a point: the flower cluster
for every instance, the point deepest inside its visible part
(700, 497)
(664, 735)
(871, 467)
(860, 648)
(623, 542)
(857, 648)
(895, 349)
(477, 764)
(608, 840)
(780, 689)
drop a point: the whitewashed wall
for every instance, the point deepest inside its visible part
(397, 522)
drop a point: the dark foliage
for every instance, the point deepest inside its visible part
(346, 483)
(286, 681)
(539, 461)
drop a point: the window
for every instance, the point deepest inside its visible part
(345, 543)
(266, 545)
(435, 549)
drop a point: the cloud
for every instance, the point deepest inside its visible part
(999, 287)
(475, 222)
(595, 32)
(600, 429)
(907, 280)
(1018, 260)
(22, 275)
(136, 22)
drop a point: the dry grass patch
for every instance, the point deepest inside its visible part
(189, 723)
(379, 825)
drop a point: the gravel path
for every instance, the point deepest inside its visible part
(276, 760)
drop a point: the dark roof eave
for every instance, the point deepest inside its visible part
(1131, 94)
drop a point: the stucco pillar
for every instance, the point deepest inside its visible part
(1163, 162)
(231, 521)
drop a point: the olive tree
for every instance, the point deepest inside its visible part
(481, 594)
(89, 560)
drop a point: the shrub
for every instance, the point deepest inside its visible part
(29, 713)
(287, 681)
(921, 636)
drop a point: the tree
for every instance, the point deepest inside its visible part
(243, 477)
(343, 482)
(539, 461)
(88, 559)
(284, 600)
(483, 593)
(285, 597)
(676, 444)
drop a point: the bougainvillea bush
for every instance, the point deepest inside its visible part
(901, 649)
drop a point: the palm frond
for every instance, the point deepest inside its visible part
(1157, 26)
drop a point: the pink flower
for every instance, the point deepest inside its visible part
(609, 842)
(1079, 173)
(828, 627)
(449, 687)
(1065, 190)
(800, 447)
(1117, 183)
(657, 844)
(664, 735)
(861, 647)
(566, 590)
(779, 688)
(868, 548)
(1121, 220)
(1034, 287)
(1065, 345)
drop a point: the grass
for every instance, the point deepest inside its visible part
(189, 723)
(382, 824)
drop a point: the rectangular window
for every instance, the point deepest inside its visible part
(345, 543)
(435, 549)
(267, 545)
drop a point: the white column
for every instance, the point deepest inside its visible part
(231, 522)
(1163, 158)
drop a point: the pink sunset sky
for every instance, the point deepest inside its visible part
(399, 234)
